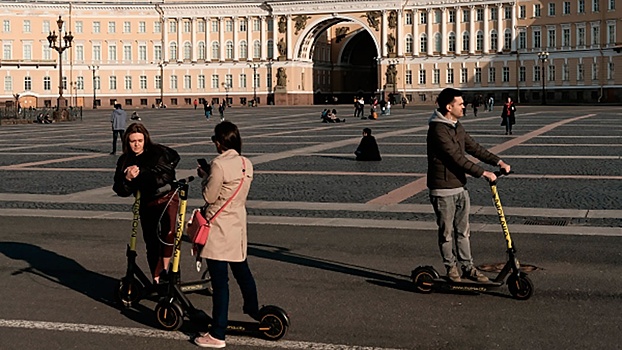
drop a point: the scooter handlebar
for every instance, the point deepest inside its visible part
(499, 174)
(186, 180)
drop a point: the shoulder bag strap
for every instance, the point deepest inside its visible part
(234, 194)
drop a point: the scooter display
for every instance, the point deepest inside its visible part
(427, 279)
(174, 306)
(135, 285)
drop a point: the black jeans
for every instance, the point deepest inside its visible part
(114, 139)
(158, 223)
(220, 300)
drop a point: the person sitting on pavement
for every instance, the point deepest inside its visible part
(368, 148)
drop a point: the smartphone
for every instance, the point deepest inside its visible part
(204, 165)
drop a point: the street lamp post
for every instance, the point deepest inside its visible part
(377, 61)
(161, 65)
(254, 66)
(543, 56)
(227, 87)
(60, 48)
(94, 68)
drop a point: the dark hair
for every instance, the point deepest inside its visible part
(135, 128)
(446, 97)
(367, 131)
(228, 136)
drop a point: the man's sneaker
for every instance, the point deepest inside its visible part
(453, 274)
(207, 341)
(475, 275)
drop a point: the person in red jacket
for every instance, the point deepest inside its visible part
(448, 144)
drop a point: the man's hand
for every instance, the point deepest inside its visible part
(490, 176)
(503, 165)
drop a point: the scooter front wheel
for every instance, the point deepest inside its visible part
(520, 287)
(129, 291)
(273, 322)
(423, 278)
(169, 315)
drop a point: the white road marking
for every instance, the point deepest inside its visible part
(152, 333)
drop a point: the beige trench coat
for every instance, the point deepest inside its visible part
(227, 238)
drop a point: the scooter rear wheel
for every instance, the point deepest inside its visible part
(520, 287)
(423, 278)
(129, 291)
(169, 315)
(273, 323)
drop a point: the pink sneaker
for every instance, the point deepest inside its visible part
(207, 341)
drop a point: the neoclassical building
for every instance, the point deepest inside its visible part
(142, 53)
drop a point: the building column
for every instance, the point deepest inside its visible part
(208, 44)
(221, 39)
(180, 46)
(444, 36)
(275, 37)
(501, 35)
(399, 41)
(430, 33)
(193, 33)
(289, 38)
(416, 42)
(165, 46)
(235, 38)
(249, 39)
(472, 33)
(264, 38)
(458, 30)
(486, 30)
(384, 34)
(514, 26)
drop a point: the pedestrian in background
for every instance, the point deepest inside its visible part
(507, 115)
(118, 119)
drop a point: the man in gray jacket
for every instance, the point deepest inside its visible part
(117, 119)
(447, 147)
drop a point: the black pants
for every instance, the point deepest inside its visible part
(158, 226)
(114, 139)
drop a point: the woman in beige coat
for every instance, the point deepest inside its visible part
(230, 175)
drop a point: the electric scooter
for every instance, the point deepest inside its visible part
(427, 279)
(135, 285)
(272, 321)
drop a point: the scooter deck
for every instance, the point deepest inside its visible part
(465, 285)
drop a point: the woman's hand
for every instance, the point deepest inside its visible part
(131, 172)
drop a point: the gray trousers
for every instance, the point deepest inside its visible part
(452, 217)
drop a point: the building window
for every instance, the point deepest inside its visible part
(437, 42)
(243, 50)
(80, 83)
(409, 18)
(127, 52)
(479, 43)
(507, 40)
(243, 81)
(256, 49)
(494, 39)
(98, 83)
(492, 74)
(27, 83)
(536, 73)
(271, 24)
(142, 27)
(128, 82)
(437, 16)
(215, 49)
(173, 51)
(595, 5)
(566, 10)
(612, 4)
(112, 27)
(565, 72)
(214, 81)
(47, 83)
(537, 10)
(8, 83)
(229, 50)
(187, 51)
(143, 82)
(409, 77)
(172, 26)
(464, 75)
(452, 42)
(409, 44)
(201, 26)
(595, 35)
(97, 52)
(477, 77)
(522, 11)
(537, 39)
(423, 17)
(187, 26)
(551, 38)
(228, 25)
(142, 52)
(27, 26)
(452, 16)
(215, 26)
(423, 42)
(243, 25)
(127, 27)
(551, 72)
(522, 74)
(551, 9)
(610, 71)
(580, 72)
(594, 71)
(6, 26)
(466, 15)
(112, 52)
(581, 6)
(506, 74)
(157, 27)
(112, 82)
(466, 42)
(479, 15)
(422, 77)
(79, 53)
(580, 36)
(27, 51)
(187, 82)
(507, 12)
(257, 81)
(436, 76)
(96, 27)
(450, 76)
(611, 34)
(493, 14)
(566, 37)
(157, 52)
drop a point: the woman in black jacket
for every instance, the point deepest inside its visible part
(150, 168)
(507, 116)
